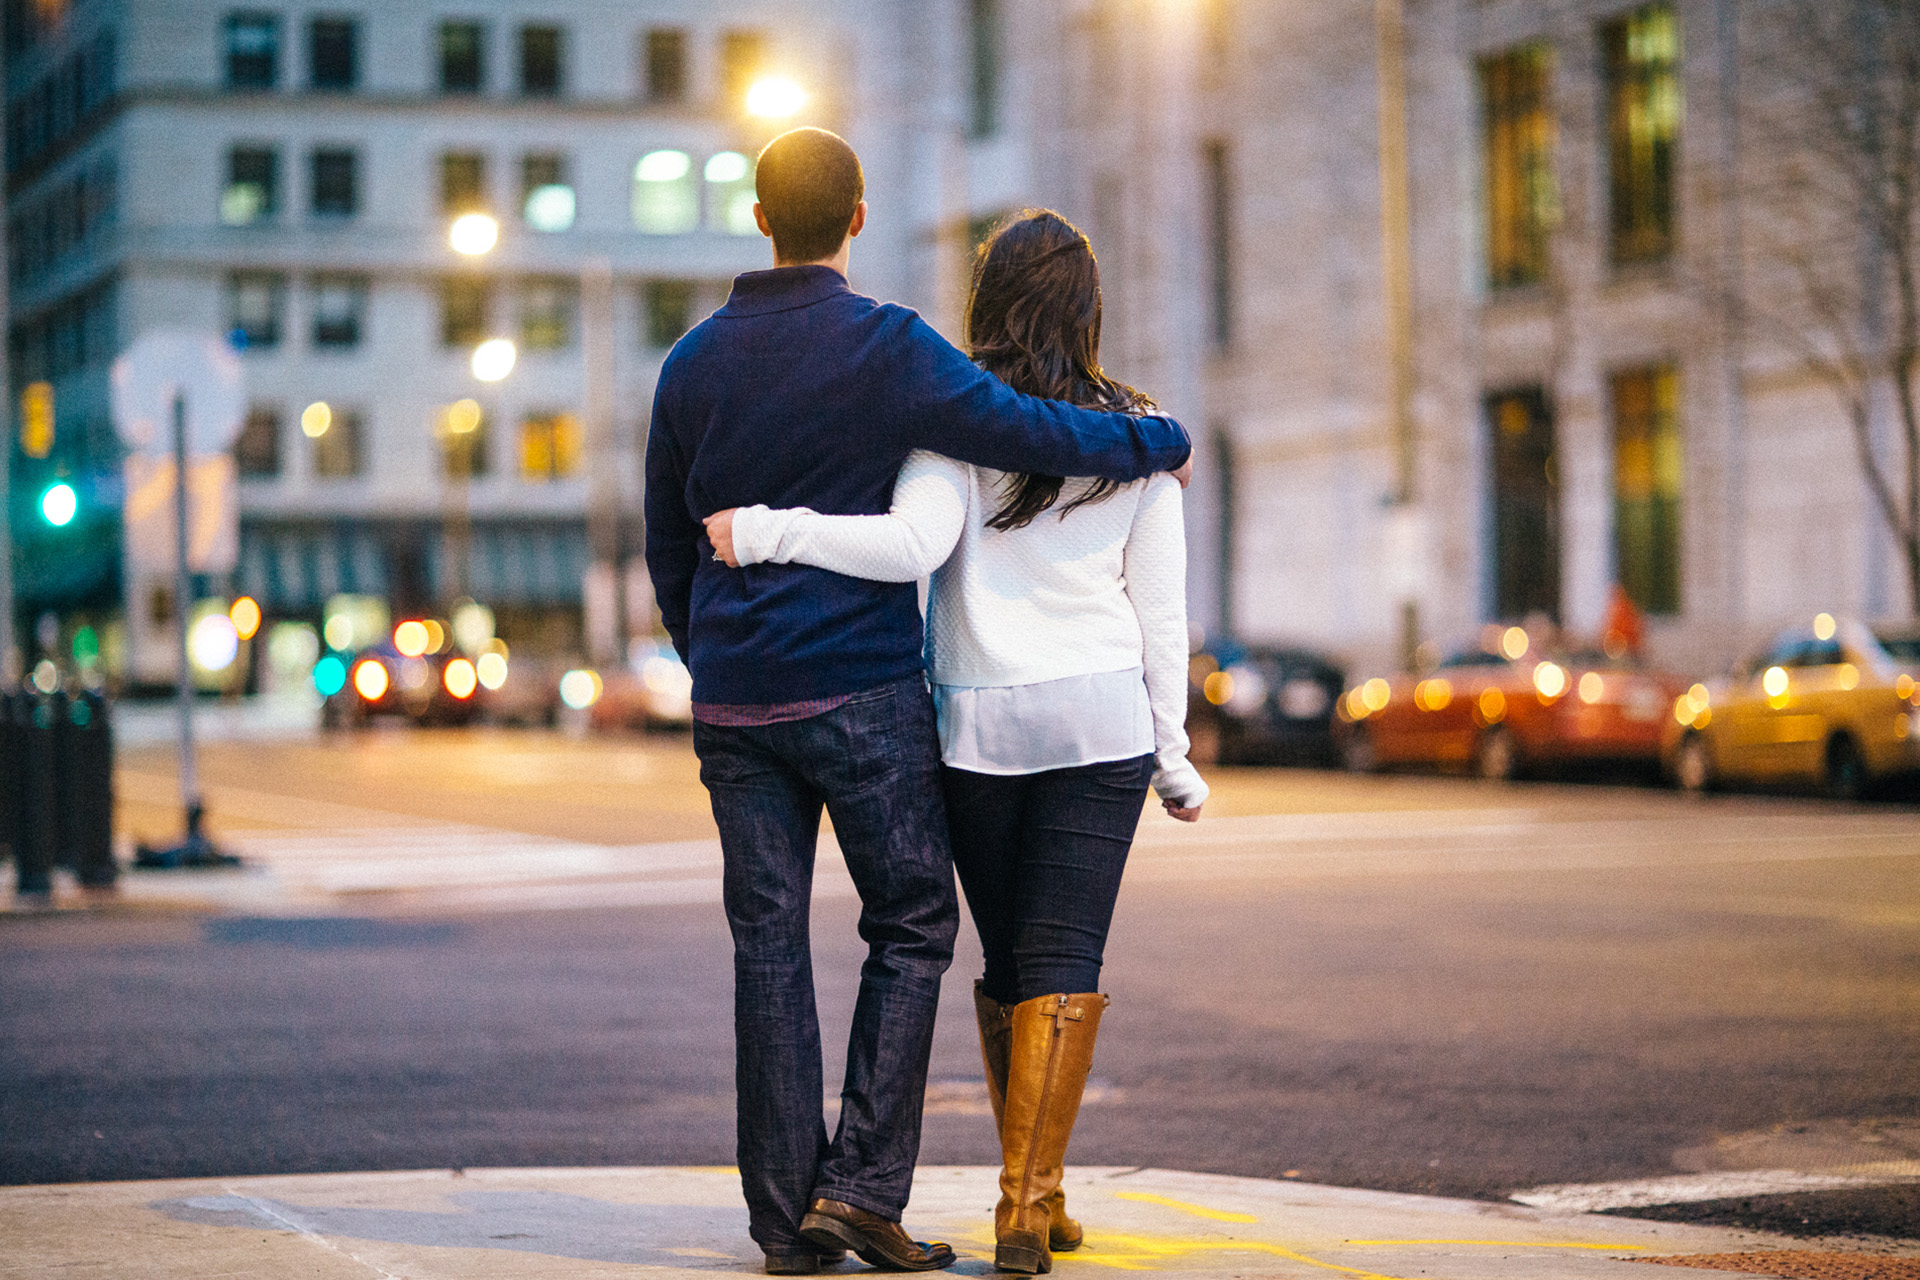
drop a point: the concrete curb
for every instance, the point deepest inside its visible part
(565, 1224)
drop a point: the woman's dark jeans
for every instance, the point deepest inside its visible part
(1040, 856)
(873, 763)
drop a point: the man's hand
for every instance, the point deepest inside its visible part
(720, 534)
(1185, 815)
(1185, 476)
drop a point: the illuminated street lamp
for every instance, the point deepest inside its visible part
(474, 234)
(775, 98)
(493, 359)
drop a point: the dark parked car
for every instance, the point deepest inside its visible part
(1262, 704)
(415, 673)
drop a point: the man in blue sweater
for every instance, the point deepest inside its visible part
(808, 687)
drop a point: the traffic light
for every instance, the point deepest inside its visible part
(36, 419)
(59, 504)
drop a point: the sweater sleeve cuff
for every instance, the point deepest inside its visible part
(1180, 782)
(757, 531)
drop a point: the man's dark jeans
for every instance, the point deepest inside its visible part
(873, 762)
(1040, 856)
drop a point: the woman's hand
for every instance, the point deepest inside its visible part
(1185, 815)
(720, 534)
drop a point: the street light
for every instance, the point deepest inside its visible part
(493, 359)
(474, 234)
(775, 98)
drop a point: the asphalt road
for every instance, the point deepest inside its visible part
(1414, 984)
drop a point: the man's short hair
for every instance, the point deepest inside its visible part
(809, 183)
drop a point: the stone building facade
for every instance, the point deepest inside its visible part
(1585, 412)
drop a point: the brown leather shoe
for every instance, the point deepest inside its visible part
(830, 1224)
(802, 1260)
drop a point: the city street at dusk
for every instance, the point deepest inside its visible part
(507, 949)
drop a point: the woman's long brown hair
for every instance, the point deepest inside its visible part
(1033, 321)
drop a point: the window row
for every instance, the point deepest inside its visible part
(251, 193)
(464, 57)
(60, 103)
(672, 193)
(1640, 58)
(79, 333)
(547, 443)
(544, 311)
(62, 219)
(1648, 471)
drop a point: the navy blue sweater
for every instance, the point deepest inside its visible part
(801, 393)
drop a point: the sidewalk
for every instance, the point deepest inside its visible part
(566, 1223)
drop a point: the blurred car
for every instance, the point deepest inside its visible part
(1262, 704)
(1507, 708)
(415, 673)
(1835, 705)
(653, 691)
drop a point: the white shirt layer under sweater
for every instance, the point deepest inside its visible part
(1058, 644)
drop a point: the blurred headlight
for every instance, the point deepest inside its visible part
(370, 680)
(460, 678)
(580, 688)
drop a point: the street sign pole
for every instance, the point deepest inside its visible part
(192, 383)
(182, 593)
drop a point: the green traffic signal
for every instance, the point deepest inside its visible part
(59, 504)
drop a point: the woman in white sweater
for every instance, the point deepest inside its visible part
(1057, 650)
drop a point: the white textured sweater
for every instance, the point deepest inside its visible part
(1099, 591)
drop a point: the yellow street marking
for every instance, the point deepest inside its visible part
(1140, 1253)
(1199, 1211)
(1512, 1244)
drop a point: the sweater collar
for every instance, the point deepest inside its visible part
(757, 293)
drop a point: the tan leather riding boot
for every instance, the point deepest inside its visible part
(1049, 1053)
(996, 1029)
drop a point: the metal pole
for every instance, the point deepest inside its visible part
(1396, 243)
(182, 589)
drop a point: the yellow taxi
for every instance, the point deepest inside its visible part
(1835, 704)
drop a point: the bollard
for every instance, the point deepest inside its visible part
(85, 799)
(36, 830)
(13, 763)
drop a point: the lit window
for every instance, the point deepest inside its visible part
(255, 305)
(1523, 195)
(1647, 468)
(541, 51)
(546, 314)
(253, 50)
(665, 70)
(986, 38)
(665, 202)
(668, 307)
(730, 194)
(1643, 126)
(336, 184)
(546, 197)
(466, 304)
(256, 453)
(339, 303)
(252, 193)
(743, 54)
(463, 183)
(333, 53)
(462, 431)
(336, 450)
(463, 67)
(549, 446)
